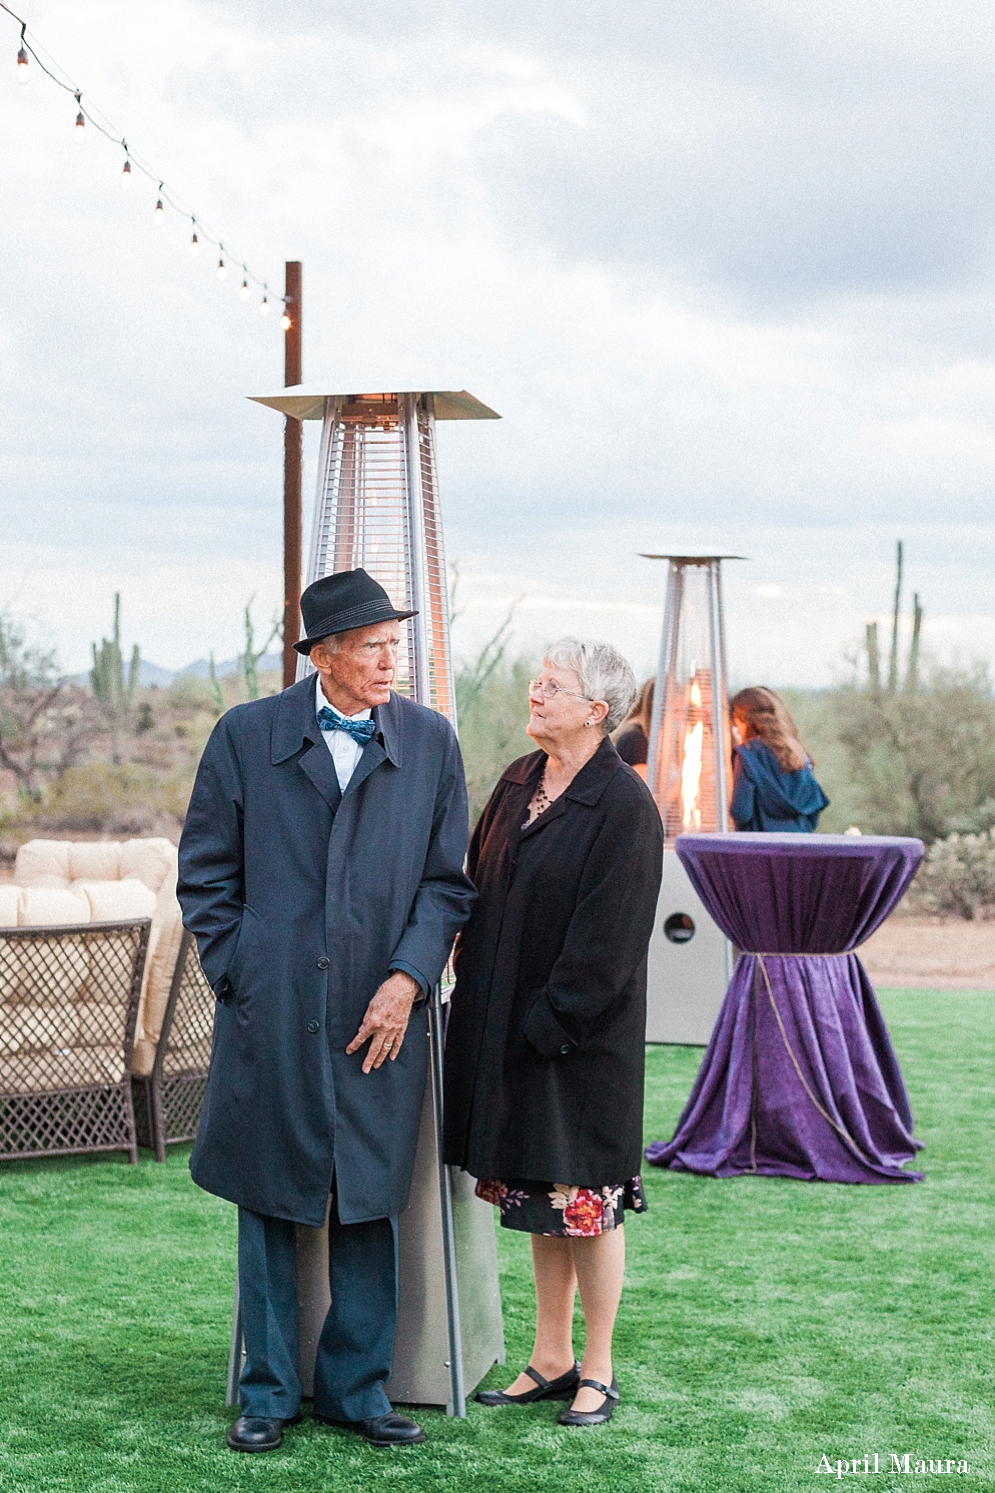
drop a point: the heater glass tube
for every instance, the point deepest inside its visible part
(687, 756)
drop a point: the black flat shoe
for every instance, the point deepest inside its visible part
(258, 1433)
(592, 1417)
(563, 1388)
(381, 1430)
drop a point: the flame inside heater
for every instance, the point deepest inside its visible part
(691, 777)
(694, 741)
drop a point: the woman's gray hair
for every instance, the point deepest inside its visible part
(603, 673)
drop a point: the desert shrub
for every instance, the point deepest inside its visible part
(915, 762)
(190, 694)
(118, 799)
(46, 723)
(492, 713)
(957, 877)
(922, 760)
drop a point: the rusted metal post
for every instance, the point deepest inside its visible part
(293, 461)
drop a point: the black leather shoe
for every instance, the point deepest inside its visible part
(592, 1417)
(381, 1430)
(563, 1388)
(258, 1433)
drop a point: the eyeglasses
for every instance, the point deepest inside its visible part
(549, 690)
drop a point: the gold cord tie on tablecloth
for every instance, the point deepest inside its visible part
(840, 1129)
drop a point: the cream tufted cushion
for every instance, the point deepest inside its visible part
(151, 861)
(93, 860)
(31, 1071)
(99, 1025)
(10, 902)
(136, 878)
(116, 901)
(36, 972)
(42, 863)
(42, 974)
(164, 948)
(57, 863)
(41, 907)
(37, 1028)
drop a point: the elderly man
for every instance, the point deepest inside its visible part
(321, 869)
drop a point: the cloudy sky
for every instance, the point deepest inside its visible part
(725, 269)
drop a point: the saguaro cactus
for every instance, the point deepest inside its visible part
(893, 657)
(873, 658)
(249, 660)
(114, 694)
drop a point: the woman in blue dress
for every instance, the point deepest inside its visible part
(774, 789)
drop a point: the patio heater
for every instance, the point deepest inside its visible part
(688, 772)
(377, 506)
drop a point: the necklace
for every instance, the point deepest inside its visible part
(540, 802)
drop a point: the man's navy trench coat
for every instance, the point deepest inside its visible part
(302, 899)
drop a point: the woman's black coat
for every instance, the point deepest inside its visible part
(545, 1047)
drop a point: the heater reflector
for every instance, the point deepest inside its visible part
(377, 507)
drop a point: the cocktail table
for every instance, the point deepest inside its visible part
(799, 1078)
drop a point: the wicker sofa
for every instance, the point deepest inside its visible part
(60, 886)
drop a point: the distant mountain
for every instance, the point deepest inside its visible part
(148, 674)
(153, 675)
(202, 668)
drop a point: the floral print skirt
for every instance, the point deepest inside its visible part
(557, 1208)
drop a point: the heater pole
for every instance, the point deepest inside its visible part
(293, 461)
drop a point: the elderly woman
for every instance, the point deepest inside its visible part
(544, 1053)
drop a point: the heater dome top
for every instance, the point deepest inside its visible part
(686, 559)
(307, 401)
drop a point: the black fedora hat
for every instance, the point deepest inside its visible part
(338, 603)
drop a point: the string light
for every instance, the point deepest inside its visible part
(30, 48)
(285, 322)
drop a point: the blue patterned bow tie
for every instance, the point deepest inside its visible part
(360, 731)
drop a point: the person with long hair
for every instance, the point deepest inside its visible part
(632, 739)
(774, 789)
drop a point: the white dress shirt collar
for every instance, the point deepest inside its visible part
(345, 750)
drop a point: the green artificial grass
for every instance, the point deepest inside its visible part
(766, 1323)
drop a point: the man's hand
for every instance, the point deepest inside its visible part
(386, 1019)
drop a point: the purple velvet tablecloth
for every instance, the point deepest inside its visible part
(799, 1078)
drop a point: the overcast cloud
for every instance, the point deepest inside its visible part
(724, 269)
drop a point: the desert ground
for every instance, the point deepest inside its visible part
(930, 954)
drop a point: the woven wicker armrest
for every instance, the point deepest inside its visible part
(68, 1006)
(171, 1096)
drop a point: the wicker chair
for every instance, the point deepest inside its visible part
(169, 1099)
(172, 1043)
(69, 996)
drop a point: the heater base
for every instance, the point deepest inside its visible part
(690, 963)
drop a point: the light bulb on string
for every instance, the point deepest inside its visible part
(222, 271)
(80, 122)
(22, 59)
(126, 175)
(244, 292)
(285, 322)
(194, 247)
(264, 307)
(160, 213)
